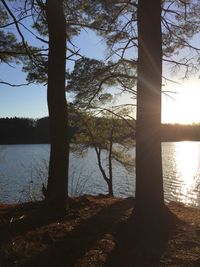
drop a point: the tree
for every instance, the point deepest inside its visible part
(110, 135)
(155, 44)
(91, 80)
(149, 197)
(59, 156)
(101, 138)
(53, 22)
(117, 23)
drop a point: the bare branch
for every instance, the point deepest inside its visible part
(35, 35)
(14, 85)
(13, 23)
(18, 29)
(116, 114)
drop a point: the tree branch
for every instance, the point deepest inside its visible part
(14, 85)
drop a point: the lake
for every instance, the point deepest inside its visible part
(23, 170)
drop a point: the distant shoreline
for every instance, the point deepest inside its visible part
(47, 143)
(15, 131)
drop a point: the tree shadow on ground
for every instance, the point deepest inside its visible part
(107, 238)
(23, 218)
(141, 247)
(70, 249)
(197, 263)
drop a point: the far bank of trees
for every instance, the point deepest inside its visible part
(36, 131)
(24, 131)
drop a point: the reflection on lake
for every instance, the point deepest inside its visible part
(23, 169)
(181, 161)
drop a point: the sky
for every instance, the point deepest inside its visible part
(182, 107)
(30, 101)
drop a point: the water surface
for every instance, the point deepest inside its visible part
(23, 169)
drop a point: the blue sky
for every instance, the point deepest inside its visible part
(30, 101)
(27, 101)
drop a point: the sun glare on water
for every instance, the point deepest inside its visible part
(184, 108)
(187, 155)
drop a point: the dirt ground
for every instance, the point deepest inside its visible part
(97, 232)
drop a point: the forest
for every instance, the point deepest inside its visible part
(36, 131)
(143, 38)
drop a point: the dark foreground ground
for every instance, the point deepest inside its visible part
(98, 232)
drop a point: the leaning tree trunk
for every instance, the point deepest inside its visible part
(59, 154)
(149, 183)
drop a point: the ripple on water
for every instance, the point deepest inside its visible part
(20, 164)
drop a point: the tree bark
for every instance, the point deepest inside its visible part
(149, 202)
(59, 154)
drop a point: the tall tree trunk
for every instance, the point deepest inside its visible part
(59, 154)
(149, 183)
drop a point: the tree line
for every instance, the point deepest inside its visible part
(36, 131)
(24, 131)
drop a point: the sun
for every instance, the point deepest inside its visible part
(184, 106)
(187, 108)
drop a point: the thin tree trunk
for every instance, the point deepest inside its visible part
(149, 182)
(110, 185)
(59, 154)
(98, 153)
